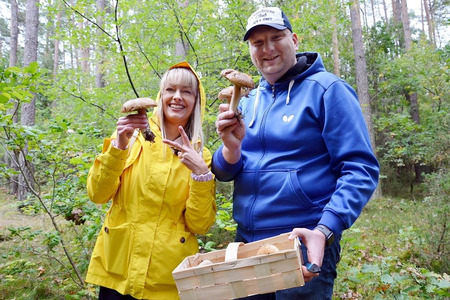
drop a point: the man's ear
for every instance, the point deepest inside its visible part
(295, 40)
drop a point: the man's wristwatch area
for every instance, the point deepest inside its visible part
(329, 235)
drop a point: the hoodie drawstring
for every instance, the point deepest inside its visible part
(255, 105)
(291, 83)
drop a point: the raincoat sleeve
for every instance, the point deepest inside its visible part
(104, 175)
(201, 206)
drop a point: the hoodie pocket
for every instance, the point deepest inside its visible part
(117, 246)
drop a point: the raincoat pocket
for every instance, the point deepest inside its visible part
(117, 246)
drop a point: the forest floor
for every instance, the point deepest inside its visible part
(11, 217)
(389, 253)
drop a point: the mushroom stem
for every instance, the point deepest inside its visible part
(147, 132)
(235, 98)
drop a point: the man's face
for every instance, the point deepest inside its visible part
(273, 51)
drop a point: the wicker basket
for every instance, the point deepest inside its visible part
(239, 272)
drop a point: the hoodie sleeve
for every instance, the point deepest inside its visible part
(351, 157)
(222, 169)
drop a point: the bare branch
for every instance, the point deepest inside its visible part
(85, 101)
(89, 20)
(146, 58)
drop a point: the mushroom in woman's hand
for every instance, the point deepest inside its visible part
(239, 80)
(140, 105)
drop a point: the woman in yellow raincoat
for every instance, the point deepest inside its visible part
(162, 192)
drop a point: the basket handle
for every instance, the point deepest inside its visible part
(232, 251)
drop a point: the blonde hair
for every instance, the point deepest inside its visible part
(184, 77)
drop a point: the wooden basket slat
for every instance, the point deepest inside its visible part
(239, 274)
(238, 289)
(249, 274)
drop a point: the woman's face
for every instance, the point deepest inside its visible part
(178, 104)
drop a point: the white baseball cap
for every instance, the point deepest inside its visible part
(268, 16)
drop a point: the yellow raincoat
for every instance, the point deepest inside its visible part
(157, 208)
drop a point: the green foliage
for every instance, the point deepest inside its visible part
(133, 49)
(17, 84)
(403, 143)
(385, 256)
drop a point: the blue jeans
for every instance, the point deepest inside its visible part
(319, 288)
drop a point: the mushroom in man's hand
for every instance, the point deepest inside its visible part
(239, 80)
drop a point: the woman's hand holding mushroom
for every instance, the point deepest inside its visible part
(126, 127)
(187, 154)
(140, 106)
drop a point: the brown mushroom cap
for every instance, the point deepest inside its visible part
(238, 78)
(137, 104)
(226, 93)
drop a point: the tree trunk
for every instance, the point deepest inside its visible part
(396, 11)
(335, 46)
(99, 72)
(429, 22)
(422, 21)
(14, 31)
(28, 111)
(56, 53)
(406, 27)
(397, 14)
(362, 81)
(11, 158)
(181, 45)
(84, 52)
(411, 97)
(386, 18)
(373, 12)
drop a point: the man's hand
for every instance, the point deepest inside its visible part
(231, 130)
(314, 241)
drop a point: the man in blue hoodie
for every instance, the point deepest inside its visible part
(301, 158)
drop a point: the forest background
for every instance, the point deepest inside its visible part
(67, 66)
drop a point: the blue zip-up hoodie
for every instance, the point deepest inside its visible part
(306, 155)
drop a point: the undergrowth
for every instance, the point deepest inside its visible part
(389, 253)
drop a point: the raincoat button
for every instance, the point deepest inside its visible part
(182, 240)
(106, 229)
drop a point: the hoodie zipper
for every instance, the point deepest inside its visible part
(258, 168)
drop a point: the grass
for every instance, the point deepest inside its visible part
(392, 252)
(395, 250)
(29, 269)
